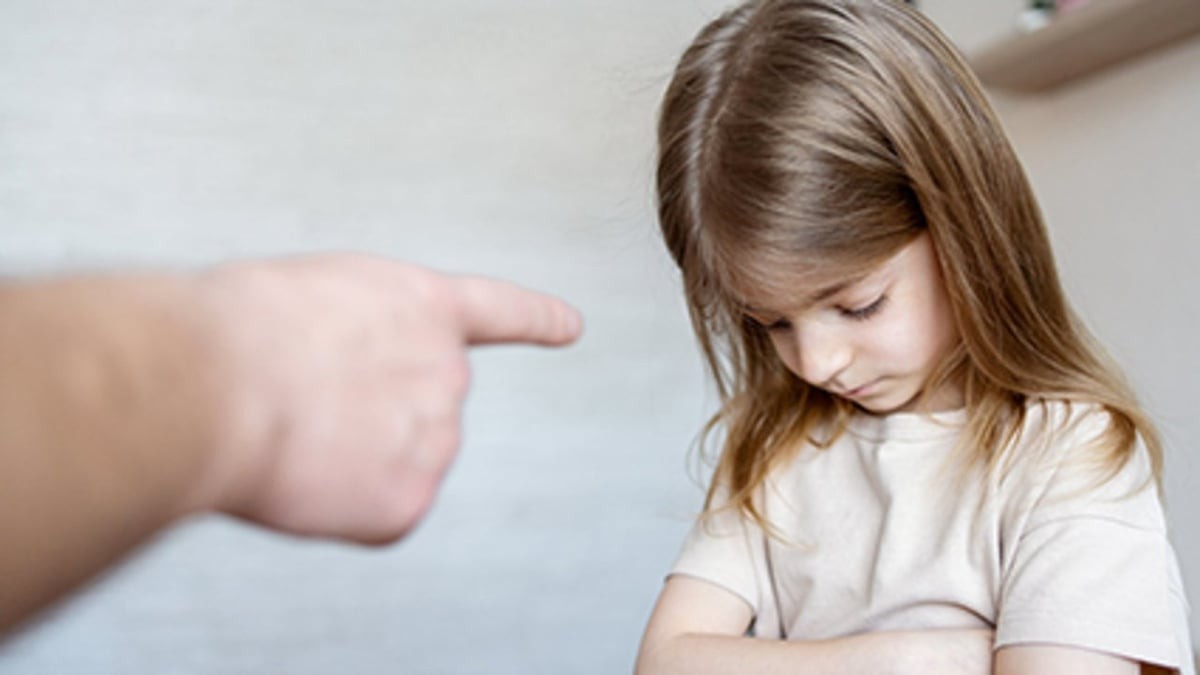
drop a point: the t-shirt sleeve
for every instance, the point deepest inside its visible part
(1089, 565)
(726, 548)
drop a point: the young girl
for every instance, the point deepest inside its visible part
(928, 465)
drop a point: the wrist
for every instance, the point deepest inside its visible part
(244, 417)
(192, 383)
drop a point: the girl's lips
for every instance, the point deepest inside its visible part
(860, 390)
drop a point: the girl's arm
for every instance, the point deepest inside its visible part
(1035, 659)
(698, 628)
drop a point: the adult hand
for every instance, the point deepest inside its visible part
(346, 378)
(320, 396)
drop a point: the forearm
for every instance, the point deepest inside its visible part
(106, 426)
(697, 627)
(698, 654)
(916, 652)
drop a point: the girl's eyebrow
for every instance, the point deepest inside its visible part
(820, 295)
(834, 289)
(839, 287)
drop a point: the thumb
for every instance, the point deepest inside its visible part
(495, 312)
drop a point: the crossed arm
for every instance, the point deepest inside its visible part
(697, 628)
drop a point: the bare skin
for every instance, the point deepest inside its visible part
(317, 396)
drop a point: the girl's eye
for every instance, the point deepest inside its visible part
(866, 311)
(771, 326)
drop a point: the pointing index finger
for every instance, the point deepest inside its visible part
(497, 312)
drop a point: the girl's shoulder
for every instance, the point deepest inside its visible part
(1078, 448)
(1060, 415)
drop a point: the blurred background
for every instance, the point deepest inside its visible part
(516, 140)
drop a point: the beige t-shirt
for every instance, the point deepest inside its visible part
(879, 535)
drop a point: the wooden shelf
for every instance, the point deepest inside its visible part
(1085, 40)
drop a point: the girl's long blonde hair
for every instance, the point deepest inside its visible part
(800, 139)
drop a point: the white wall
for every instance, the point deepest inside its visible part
(1115, 161)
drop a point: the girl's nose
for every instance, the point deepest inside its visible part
(822, 354)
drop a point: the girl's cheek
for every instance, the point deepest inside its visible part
(894, 336)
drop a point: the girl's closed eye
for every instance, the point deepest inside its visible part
(771, 325)
(864, 312)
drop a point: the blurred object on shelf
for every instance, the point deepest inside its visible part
(1037, 16)
(1091, 37)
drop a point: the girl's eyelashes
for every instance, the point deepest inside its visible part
(770, 325)
(866, 311)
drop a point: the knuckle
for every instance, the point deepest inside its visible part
(427, 288)
(408, 506)
(458, 376)
(441, 447)
(447, 446)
